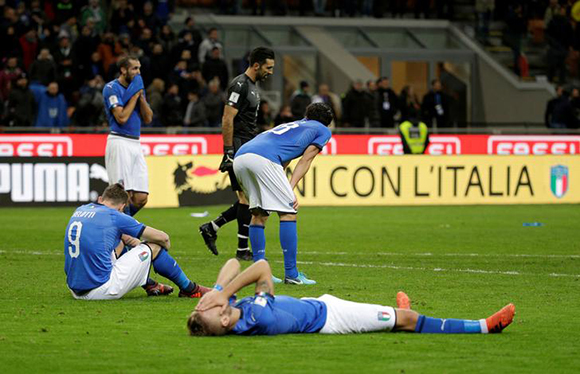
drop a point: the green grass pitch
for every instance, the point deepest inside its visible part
(462, 262)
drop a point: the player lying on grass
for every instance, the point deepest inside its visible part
(264, 314)
(97, 232)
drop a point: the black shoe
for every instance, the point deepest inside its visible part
(209, 236)
(244, 255)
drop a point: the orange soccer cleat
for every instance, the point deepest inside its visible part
(403, 301)
(500, 320)
(158, 289)
(197, 292)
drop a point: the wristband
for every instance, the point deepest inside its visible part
(218, 287)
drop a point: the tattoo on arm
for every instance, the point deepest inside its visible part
(263, 286)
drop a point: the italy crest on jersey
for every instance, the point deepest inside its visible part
(559, 180)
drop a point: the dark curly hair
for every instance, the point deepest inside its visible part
(319, 112)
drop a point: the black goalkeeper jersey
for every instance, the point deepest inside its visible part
(244, 96)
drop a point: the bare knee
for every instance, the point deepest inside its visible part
(242, 197)
(155, 249)
(287, 216)
(406, 320)
(139, 199)
(259, 218)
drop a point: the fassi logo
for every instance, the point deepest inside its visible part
(533, 145)
(164, 146)
(35, 146)
(391, 145)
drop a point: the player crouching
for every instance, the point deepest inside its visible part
(96, 232)
(264, 314)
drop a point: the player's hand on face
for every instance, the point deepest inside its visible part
(211, 300)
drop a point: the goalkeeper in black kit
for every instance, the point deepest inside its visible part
(238, 127)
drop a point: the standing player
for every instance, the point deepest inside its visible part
(126, 108)
(239, 126)
(259, 166)
(264, 314)
(96, 232)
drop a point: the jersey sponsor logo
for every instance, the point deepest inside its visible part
(559, 180)
(533, 145)
(35, 145)
(45, 182)
(177, 146)
(113, 100)
(391, 145)
(384, 316)
(234, 97)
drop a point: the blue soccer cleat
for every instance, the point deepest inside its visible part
(300, 279)
(276, 279)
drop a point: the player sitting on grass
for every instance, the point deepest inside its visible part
(97, 232)
(264, 314)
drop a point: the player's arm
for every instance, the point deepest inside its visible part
(156, 236)
(145, 109)
(258, 273)
(122, 113)
(228, 136)
(303, 165)
(229, 271)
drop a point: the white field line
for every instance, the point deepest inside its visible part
(394, 267)
(428, 254)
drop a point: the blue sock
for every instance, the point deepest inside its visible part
(289, 244)
(133, 210)
(429, 325)
(258, 242)
(166, 266)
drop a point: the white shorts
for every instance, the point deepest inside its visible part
(264, 183)
(126, 164)
(347, 317)
(129, 272)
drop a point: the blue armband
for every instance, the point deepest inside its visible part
(218, 287)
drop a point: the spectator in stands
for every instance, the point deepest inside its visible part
(435, 106)
(214, 102)
(208, 44)
(575, 101)
(71, 28)
(63, 58)
(94, 11)
(159, 62)
(7, 76)
(563, 116)
(188, 58)
(29, 46)
(109, 50)
(215, 66)
(43, 69)
(516, 27)
(96, 66)
(372, 103)
(85, 45)
(172, 110)
(552, 10)
(387, 102)
(155, 98)
(89, 109)
(168, 39)
(150, 18)
(64, 10)
(284, 116)
(164, 10)
(21, 106)
(265, 121)
(122, 17)
(354, 108)
(484, 11)
(52, 108)
(560, 40)
(196, 36)
(186, 43)
(409, 104)
(300, 99)
(195, 111)
(9, 42)
(331, 99)
(319, 7)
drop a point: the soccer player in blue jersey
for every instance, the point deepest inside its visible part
(217, 313)
(97, 232)
(259, 166)
(126, 108)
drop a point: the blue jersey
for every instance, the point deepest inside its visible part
(287, 141)
(93, 232)
(265, 314)
(113, 96)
